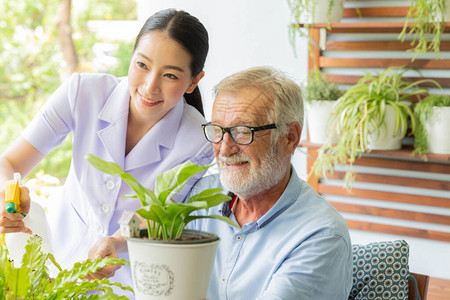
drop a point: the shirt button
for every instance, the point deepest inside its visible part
(224, 279)
(105, 208)
(100, 228)
(238, 237)
(110, 185)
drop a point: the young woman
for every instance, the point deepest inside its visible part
(147, 123)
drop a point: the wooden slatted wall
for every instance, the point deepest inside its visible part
(394, 192)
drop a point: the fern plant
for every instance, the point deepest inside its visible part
(32, 281)
(422, 112)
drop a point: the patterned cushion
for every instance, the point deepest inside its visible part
(380, 271)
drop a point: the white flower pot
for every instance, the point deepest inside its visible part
(172, 269)
(385, 139)
(438, 130)
(319, 123)
(317, 12)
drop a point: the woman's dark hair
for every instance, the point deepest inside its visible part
(188, 32)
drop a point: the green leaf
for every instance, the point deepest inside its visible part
(104, 166)
(204, 193)
(18, 282)
(145, 195)
(80, 270)
(170, 182)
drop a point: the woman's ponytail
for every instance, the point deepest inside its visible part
(195, 99)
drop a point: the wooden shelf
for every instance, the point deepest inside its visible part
(364, 27)
(404, 153)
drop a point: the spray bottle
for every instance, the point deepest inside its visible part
(35, 220)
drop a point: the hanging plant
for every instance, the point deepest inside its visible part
(426, 23)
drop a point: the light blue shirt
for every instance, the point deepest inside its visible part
(300, 249)
(94, 107)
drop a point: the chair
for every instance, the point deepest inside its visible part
(381, 271)
(422, 286)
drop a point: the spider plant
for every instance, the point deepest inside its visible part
(426, 23)
(422, 112)
(360, 113)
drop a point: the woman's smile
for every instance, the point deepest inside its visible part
(149, 102)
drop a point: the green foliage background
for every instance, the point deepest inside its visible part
(32, 65)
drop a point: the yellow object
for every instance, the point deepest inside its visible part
(12, 196)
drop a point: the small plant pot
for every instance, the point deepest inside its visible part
(320, 10)
(438, 130)
(385, 140)
(318, 113)
(174, 269)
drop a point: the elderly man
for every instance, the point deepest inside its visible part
(292, 244)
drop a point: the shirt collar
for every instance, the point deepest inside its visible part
(289, 196)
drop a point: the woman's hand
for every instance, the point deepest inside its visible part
(105, 247)
(13, 222)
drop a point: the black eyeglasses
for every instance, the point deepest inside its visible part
(240, 134)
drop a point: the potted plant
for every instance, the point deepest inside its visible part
(372, 114)
(308, 12)
(433, 125)
(167, 260)
(425, 21)
(32, 280)
(320, 96)
(316, 11)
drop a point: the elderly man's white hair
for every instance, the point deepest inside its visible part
(279, 89)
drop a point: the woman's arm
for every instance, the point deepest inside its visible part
(21, 157)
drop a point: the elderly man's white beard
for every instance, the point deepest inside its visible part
(247, 183)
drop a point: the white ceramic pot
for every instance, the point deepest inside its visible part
(320, 10)
(172, 269)
(386, 140)
(438, 130)
(319, 123)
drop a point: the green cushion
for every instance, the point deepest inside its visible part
(380, 271)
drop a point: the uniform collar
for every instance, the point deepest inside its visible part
(113, 136)
(116, 106)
